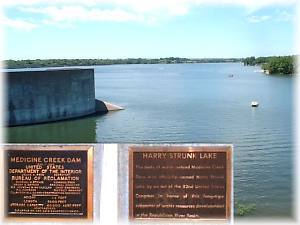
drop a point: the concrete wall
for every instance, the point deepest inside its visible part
(49, 95)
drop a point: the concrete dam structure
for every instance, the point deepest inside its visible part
(40, 96)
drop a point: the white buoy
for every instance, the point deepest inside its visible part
(254, 104)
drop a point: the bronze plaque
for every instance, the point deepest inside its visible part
(180, 182)
(49, 181)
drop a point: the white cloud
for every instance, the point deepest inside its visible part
(60, 12)
(19, 24)
(284, 16)
(278, 15)
(171, 6)
(258, 19)
(80, 13)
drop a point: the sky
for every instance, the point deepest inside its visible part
(43, 29)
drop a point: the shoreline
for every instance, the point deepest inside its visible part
(6, 69)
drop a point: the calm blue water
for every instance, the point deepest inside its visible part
(199, 103)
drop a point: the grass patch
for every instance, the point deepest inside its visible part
(244, 209)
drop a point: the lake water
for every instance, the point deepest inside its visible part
(196, 103)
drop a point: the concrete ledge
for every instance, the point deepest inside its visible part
(104, 107)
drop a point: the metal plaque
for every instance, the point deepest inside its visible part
(49, 181)
(180, 182)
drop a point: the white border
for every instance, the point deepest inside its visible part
(111, 214)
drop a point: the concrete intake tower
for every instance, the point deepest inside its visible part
(40, 96)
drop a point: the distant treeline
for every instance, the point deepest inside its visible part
(274, 64)
(14, 64)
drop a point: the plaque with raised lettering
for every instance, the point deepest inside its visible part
(49, 181)
(180, 182)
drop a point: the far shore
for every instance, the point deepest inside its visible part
(41, 63)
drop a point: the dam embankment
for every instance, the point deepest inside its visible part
(50, 95)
